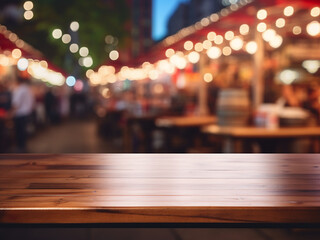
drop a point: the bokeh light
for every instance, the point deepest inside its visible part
(74, 26)
(56, 33)
(214, 52)
(114, 55)
(71, 81)
(28, 5)
(28, 15)
(22, 64)
(262, 14)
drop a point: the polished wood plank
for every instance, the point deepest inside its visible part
(160, 188)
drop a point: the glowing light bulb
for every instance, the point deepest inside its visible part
(211, 36)
(56, 33)
(16, 53)
(276, 41)
(83, 51)
(226, 51)
(268, 35)
(193, 57)
(28, 5)
(261, 27)
(313, 28)
(296, 30)
(315, 12)
(74, 26)
(214, 52)
(236, 44)
(251, 47)
(262, 14)
(169, 52)
(87, 61)
(66, 38)
(22, 64)
(206, 44)
(218, 40)
(229, 35)
(71, 81)
(28, 15)
(198, 47)
(114, 55)
(288, 11)
(207, 77)
(188, 45)
(244, 29)
(74, 48)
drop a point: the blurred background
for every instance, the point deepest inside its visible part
(188, 76)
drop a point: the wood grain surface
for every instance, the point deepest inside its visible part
(160, 188)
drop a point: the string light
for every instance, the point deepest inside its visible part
(71, 81)
(74, 48)
(188, 45)
(56, 33)
(276, 41)
(28, 15)
(74, 26)
(296, 30)
(66, 38)
(207, 77)
(244, 29)
(312, 66)
(261, 27)
(83, 51)
(315, 12)
(198, 47)
(16, 53)
(22, 64)
(193, 57)
(280, 23)
(207, 44)
(169, 52)
(89, 72)
(214, 52)
(268, 35)
(28, 5)
(288, 11)
(229, 35)
(262, 14)
(236, 43)
(313, 28)
(114, 55)
(226, 51)
(218, 40)
(87, 61)
(251, 47)
(211, 36)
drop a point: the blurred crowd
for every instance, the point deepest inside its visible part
(27, 107)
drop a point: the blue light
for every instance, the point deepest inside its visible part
(71, 81)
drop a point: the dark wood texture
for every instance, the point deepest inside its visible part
(160, 188)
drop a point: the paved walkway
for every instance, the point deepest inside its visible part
(72, 136)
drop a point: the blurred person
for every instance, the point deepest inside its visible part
(22, 107)
(271, 89)
(5, 105)
(5, 98)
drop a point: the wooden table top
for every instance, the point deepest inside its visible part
(185, 121)
(259, 132)
(160, 188)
